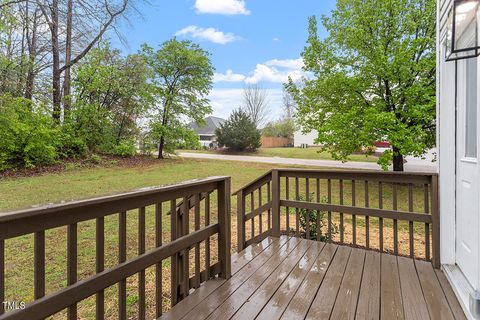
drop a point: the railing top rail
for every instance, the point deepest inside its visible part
(366, 172)
(25, 221)
(342, 172)
(253, 182)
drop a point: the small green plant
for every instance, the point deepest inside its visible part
(314, 219)
(95, 158)
(69, 166)
(125, 149)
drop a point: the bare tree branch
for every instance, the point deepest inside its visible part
(255, 103)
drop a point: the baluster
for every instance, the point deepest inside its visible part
(427, 225)
(307, 212)
(318, 211)
(39, 269)
(380, 220)
(367, 218)
(175, 264)
(395, 221)
(141, 274)
(72, 264)
(100, 265)
(410, 223)
(158, 266)
(341, 213)
(260, 227)
(297, 213)
(122, 257)
(287, 209)
(329, 195)
(252, 207)
(207, 241)
(197, 245)
(224, 237)
(39, 262)
(240, 219)
(269, 198)
(354, 217)
(186, 252)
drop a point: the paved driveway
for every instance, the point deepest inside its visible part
(413, 165)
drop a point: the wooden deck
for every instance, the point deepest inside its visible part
(293, 278)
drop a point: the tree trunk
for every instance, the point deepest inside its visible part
(68, 58)
(56, 93)
(397, 160)
(32, 52)
(160, 148)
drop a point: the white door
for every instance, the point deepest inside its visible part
(467, 184)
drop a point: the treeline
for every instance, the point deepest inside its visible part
(65, 92)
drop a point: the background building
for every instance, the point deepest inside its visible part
(206, 131)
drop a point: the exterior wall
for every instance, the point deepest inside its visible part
(448, 91)
(206, 143)
(446, 128)
(300, 138)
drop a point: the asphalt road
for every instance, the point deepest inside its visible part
(412, 165)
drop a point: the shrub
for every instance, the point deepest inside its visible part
(239, 132)
(125, 149)
(28, 134)
(281, 128)
(314, 224)
(95, 158)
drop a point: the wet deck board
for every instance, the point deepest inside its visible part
(290, 278)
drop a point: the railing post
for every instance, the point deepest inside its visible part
(275, 203)
(224, 241)
(240, 221)
(435, 223)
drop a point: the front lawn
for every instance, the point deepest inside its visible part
(314, 153)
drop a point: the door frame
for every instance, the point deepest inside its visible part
(461, 159)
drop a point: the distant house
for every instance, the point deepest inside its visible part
(206, 131)
(301, 139)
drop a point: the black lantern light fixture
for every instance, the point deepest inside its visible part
(462, 40)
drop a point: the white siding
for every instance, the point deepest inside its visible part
(446, 138)
(300, 138)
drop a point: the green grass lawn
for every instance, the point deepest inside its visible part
(314, 153)
(80, 183)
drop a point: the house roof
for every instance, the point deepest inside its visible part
(208, 128)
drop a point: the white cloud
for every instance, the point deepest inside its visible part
(275, 71)
(296, 64)
(225, 7)
(275, 39)
(210, 34)
(229, 76)
(267, 73)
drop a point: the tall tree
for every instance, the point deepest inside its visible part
(182, 77)
(255, 103)
(373, 78)
(95, 16)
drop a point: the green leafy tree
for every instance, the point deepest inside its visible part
(372, 78)
(280, 128)
(239, 132)
(182, 78)
(111, 94)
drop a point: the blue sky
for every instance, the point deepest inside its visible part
(251, 41)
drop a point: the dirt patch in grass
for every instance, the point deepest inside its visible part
(105, 161)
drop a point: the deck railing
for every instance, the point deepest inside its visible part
(386, 211)
(187, 232)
